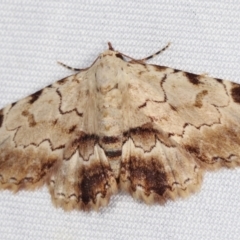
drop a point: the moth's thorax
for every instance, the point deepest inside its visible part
(109, 81)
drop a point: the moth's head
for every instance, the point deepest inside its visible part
(111, 53)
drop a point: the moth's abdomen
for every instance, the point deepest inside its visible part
(112, 146)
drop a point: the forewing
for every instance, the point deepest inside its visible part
(190, 123)
(38, 137)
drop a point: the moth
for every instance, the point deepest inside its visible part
(120, 124)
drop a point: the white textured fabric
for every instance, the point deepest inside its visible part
(205, 38)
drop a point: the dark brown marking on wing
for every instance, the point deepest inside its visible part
(193, 78)
(151, 176)
(62, 81)
(48, 165)
(218, 80)
(94, 181)
(40, 171)
(1, 118)
(235, 92)
(143, 105)
(159, 68)
(193, 150)
(72, 128)
(30, 118)
(35, 96)
(163, 80)
(172, 107)
(199, 98)
(13, 104)
(118, 55)
(86, 138)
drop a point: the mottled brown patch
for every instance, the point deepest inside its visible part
(193, 78)
(66, 112)
(150, 176)
(45, 168)
(199, 98)
(34, 97)
(193, 150)
(94, 181)
(235, 92)
(25, 168)
(31, 119)
(48, 165)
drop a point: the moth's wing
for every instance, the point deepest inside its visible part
(155, 168)
(202, 114)
(37, 136)
(189, 123)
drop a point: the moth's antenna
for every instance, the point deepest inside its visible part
(70, 68)
(143, 60)
(155, 54)
(110, 47)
